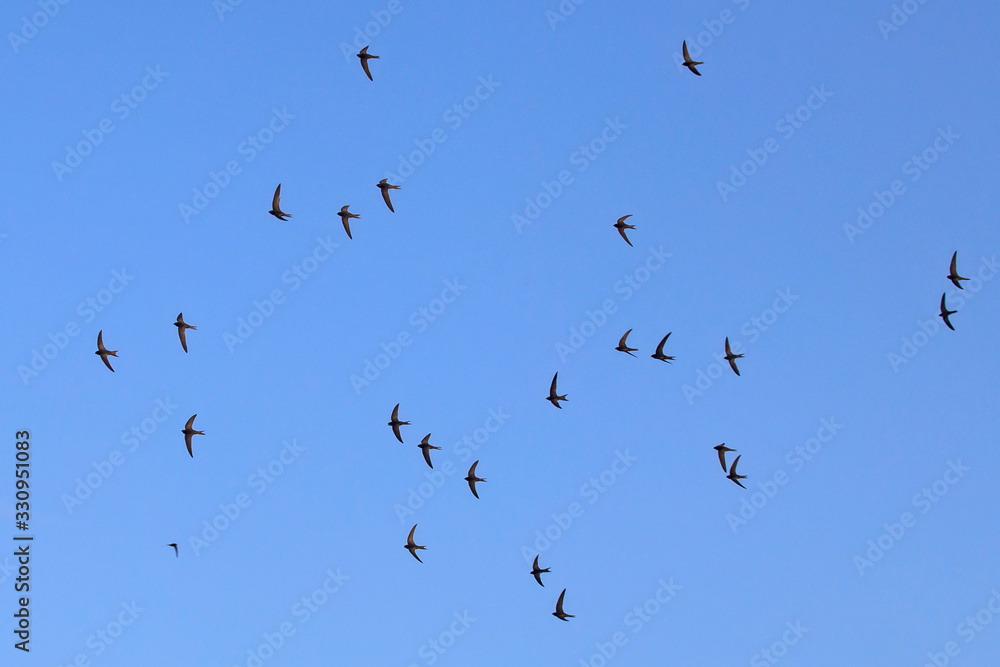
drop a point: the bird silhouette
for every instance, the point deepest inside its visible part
(365, 57)
(690, 64)
(943, 314)
(275, 208)
(345, 217)
(472, 479)
(623, 346)
(953, 273)
(174, 545)
(621, 227)
(395, 423)
(559, 613)
(103, 352)
(722, 449)
(412, 546)
(181, 326)
(385, 187)
(426, 446)
(537, 572)
(732, 473)
(553, 397)
(659, 351)
(189, 432)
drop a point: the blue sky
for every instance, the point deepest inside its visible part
(802, 197)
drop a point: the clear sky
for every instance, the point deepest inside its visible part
(803, 197)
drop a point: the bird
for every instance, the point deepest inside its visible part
(181, 326)
(731, 358)
(732, 473)
(412, 546)
(623, 346)
(395, 423)
(553, 397)
(427, 447)
(559, 613)
(659, 351)
(364, 56)
(189, 431)
(621, 227)
(953, 274)
(944, 316)
(275, 209)
(472, 479)
(722, 449)
(537, 572)
(174, 545)
(101, 350)
(345, 217)
(385, 187)
(690, 64)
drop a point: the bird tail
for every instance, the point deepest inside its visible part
(113, 353)
(561, 398)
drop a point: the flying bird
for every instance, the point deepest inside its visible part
(690, 64)
(623, 346)
(953, 274)
(174, 545)
(553, 397)
(345, 217)
(472, 479)
(731, 358)
(364, 62)
(395, 423)
(537, 572)
(426, 446)
(385, 187)
(189, 431)
(181, 326)
(559, 613)
(621, 227)
(722, 449)
(412, 546)
(101, 350)
(732, 473)
(275, 209)
(659, 351)
(944, 316)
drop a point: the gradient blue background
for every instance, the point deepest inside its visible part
(495, 347)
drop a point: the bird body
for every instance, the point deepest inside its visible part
(365, 57)
(659, 351)
(623, 346)
(559, 613)
(181, 327)
(426, 446)
(345, 217)
(688, 62)
(621, 227)
(103, 352)
(953, 273)
(722, 449)
(472, 479)
(412, 546)
(733, 475)
(395, 423)
(731, 358)
(943, 314)
(189, 432)
(385, 187)
(275, 208)
(537, 572)
(553, 397)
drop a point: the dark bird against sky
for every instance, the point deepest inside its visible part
(275, 208)
(103, 352)
(181, 327)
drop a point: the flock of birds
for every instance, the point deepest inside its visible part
(554, 397)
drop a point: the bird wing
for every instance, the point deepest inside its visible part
(427, 455)
(621, 343)
(624, 218)
(552, 388)
(694, 69)
(190, 423)
(100, 340)
(684, 47)
(559, 602)
(183, 336)
(409, 539)
(385, 196)
(364, 66)
(954, 259)
(277, 196)
(621, 230)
